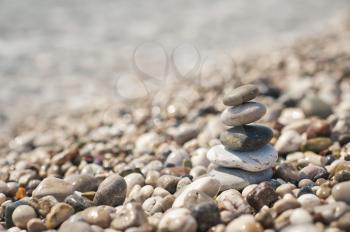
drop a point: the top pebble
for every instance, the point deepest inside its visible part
(240, 95)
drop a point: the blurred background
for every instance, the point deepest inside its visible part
(59, 53)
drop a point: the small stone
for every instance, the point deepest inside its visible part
(82, 182)
(318, 128)
(262, 195)
(176, 158)
(301, 228)
(45, 204)
(244, 223)
(264, 217)
(315, 106)
(245, 113)
(285, 204)
(36, 225)
(79, 203)
(4, 188)
(133, 179)
(290, 116)
(309, 201)
(312, 172)
(131, 215)
(22, 214)
(341, 191)
(208, 185)
(323, 192)
(112, 191)
(177, 220)
(344, 222)
(198, 171)
(300, 216)
(316, 144)
(246, 137)
(287, 172)
(289, 141)
(331, 211)
(10, 208)
(97, 216)
(55, 187)
(254, 161)
(199, 157)
(233, 201)
(240, 95)
(76, 227)
(283, 189)
(185, 133)
(188, 199)
(58, 214)
(238, 179)
(168, 182)
(206, 214)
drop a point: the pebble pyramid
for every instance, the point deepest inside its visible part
(244, 156)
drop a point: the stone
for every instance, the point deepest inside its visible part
(177, 220)
(22, 214)
(58, 214)
(238, 179)
(4, 189)
(76, 227)
(244, 223)
(97, 216)
(343, 222)
(206, 214)
(245, 113)
(36, 225)
(289, 141)
(300, 216)
(168, 182)
(185, 133)
(290, 116)
(82, 182)
(188, 199)
(240, 95)
(315, 106)
(331, 211)
(112, 191)
(283, 189)
(133, 179)
(316, 144)
(52, 186)
(233, 201)
(199, 157)
(301, 228)
(261, 195)
(10, 208)
(285, 204)
(309, 201)
(318, 128)
(312, 172)
(45, 204)
(299, 126)
(207, 185)
(198, 171)
(79, 203)
(246, 137)
(131, 215)
(264, 217)
(176, 158)
(253, 161)
(156, 204)
(340, 192)
(287, 172)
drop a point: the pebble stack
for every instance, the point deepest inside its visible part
(244, 157)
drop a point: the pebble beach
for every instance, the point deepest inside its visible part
(265, 148)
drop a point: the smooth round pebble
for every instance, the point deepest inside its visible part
(177, 220)
(22, 214)
(55, 187)
(341, 192)
(112, 191)
(241, 94)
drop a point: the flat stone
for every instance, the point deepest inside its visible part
(245, 113)
(97, 216)
(10, 208)
(261, 195)
(112, 191)
(55, 187)
(253, 161)
(247, 137)
(315, 106)
(241, 94)
(238, 179)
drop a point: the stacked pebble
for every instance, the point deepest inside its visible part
(244, 157)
